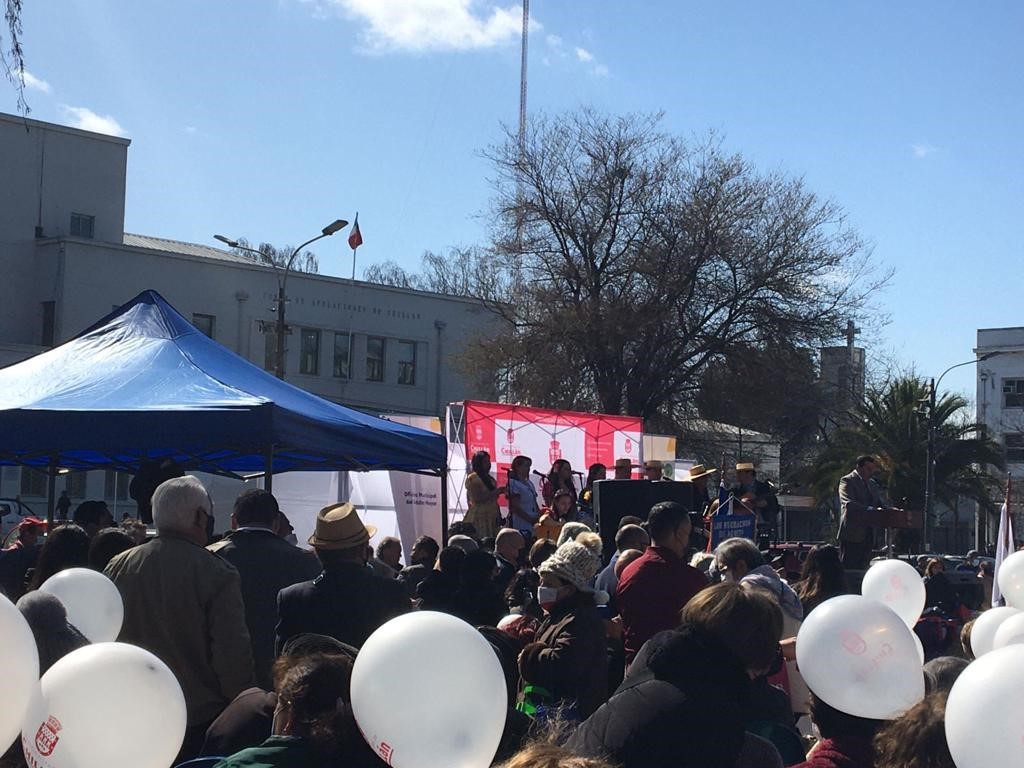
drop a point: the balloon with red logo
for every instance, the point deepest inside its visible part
(859, 657)
(102, 705)
(21, 670)
(898, 585)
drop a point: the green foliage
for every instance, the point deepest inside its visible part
(891, 424)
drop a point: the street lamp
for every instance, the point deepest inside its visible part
(929, 475)
(282, 282)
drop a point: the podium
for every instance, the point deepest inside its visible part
(887, 518)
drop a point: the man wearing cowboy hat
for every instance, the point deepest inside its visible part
(347, 601)
(698, 477)
(623, 469)
(757, 495)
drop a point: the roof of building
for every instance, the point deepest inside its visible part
(181, 247)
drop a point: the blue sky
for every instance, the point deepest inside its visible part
(270, 118)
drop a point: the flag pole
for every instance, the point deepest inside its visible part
(355, 230)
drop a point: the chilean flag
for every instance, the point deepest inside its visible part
(355, 237)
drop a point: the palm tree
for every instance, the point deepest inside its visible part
(891, 426)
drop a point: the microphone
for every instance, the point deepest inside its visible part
(538, 474)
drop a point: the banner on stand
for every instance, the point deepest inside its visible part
(507, 431)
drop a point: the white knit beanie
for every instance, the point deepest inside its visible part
(576, 562)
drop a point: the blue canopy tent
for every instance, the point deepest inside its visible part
(143, 384)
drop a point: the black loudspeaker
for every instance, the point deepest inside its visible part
(615, 499)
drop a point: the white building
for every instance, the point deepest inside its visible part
(67, 261)
(1000, 403)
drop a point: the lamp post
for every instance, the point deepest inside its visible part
(929, 475)
(282, 283)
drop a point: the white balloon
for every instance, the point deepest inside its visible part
(429, 651)
(1010, 632)
(858, 656)
(985, 711)
(21, 671)
(898, 585)
(983, 634)
(92, 601)
(106, 704)
(920, 646)
(1010, 577)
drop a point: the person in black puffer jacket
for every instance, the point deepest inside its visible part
(681, 703)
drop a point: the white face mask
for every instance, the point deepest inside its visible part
(547, 595)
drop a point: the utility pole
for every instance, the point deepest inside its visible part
(522, 76)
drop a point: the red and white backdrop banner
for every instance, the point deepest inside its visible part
(507, 431)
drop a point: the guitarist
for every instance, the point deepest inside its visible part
(757, 496)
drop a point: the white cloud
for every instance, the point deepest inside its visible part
(434, 25)
(600, 70)
(34, 83)
(88, 120)
(190, 129)
(553, 41)
(922, 151)
(584, 55)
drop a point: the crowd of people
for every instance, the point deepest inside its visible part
(652, 655)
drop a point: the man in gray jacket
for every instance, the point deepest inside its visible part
(266, 564)
(858, 496)
(184, 604)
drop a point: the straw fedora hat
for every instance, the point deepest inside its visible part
(698, 471)
(339, 527)
(745, 466)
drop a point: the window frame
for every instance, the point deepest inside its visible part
(348, 355)
(314, 333)
(1013, 447)
(1012, 383)
(213, 324)
(382, 361)
(76, 228)
(404, 365)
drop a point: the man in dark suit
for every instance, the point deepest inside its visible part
(858, 495)
(266, 564)
(347, 601)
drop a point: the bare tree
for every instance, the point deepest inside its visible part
(12, 55)
(636, 261)
(279, 257)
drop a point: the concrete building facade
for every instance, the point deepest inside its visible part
(67, 261)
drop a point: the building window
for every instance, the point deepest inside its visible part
(1013, 393)
(82, 225)
(75, 484)
(309, 359)
(33, 482)
(406, 353)
(115, 485)
(1014, 447)
(204, 323)
(269, 348)
(375, 358)
(49, 323)
(342, 355)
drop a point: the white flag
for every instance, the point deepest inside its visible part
(1004, 548)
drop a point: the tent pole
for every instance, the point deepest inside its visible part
(444, 506)
(51, 492)
(268, 477)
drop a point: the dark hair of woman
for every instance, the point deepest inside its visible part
(67, 546)
(554, 476)
(822, 577)
(541, 550)
(592, 474)
(105, 545)
(917, 739)
(477, 465)
(310, 688)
